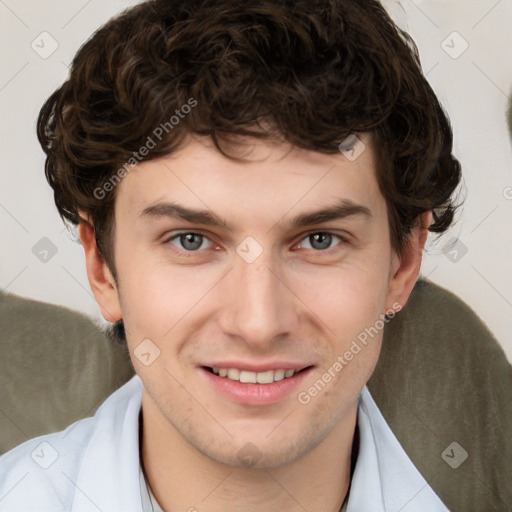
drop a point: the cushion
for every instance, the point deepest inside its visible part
(56, 368)
(445, 388)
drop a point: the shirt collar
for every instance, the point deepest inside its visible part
(385, 479)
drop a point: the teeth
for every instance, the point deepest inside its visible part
(233, 374)
(265, 377)
(279, 374)
(247, 377)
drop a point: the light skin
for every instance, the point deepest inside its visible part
(304, 300)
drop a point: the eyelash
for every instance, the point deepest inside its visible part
(341, 241)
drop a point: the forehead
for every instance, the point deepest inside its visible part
(273, 178)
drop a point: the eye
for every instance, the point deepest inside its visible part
(190, 241)
(320, 241)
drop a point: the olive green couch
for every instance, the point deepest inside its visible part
(442, 382)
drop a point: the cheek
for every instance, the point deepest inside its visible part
(144, 295)
(350, 306)
(348, 298)
(156, 297)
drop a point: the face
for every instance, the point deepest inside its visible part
(246, 283)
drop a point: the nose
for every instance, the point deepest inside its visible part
(259, 307)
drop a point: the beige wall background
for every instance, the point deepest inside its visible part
(465, 47)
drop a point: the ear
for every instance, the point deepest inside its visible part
(405, 267)
(102, 282)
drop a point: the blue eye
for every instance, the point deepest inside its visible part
(320, 241)
(190, 241)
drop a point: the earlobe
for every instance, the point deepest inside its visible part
(405, 267)
(101, 280)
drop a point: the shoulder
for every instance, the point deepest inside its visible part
(43, 472)
(36, 471)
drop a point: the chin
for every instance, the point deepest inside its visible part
(264, 453)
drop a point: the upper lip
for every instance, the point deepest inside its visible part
(259, 367)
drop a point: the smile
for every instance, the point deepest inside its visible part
(247, 377)
(261, 387)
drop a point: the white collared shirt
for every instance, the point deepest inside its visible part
(385, 479)
(94, 465)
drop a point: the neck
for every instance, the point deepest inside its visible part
(182, 478)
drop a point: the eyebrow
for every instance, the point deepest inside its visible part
(176, 211)
(345, 208)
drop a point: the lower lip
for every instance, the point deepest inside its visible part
(255, 394)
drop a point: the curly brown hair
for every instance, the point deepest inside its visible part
(310, 73)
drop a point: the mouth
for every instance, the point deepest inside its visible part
(262, 387)
(248, 377)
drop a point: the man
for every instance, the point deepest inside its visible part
(253, 186)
